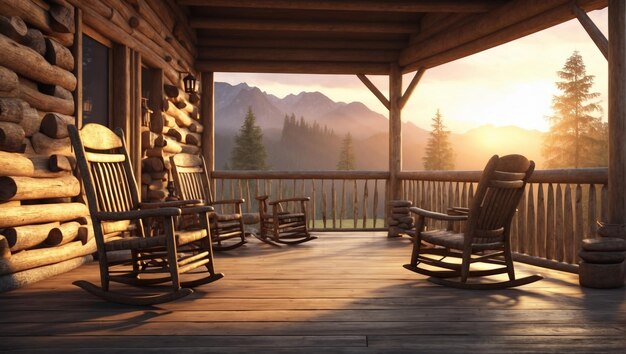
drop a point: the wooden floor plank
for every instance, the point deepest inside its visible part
(345, 292)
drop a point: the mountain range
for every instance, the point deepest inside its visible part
(368, 129)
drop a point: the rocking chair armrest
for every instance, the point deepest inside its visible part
(435, 215)
(197, 209)
(458, 211)
(228, 201)
(173, 203)
(137, 214)
(301, 199)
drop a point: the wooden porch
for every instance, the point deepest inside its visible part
(346, 292)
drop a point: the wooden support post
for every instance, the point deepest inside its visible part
(77, 51)
(121, 89)
(136, 116)
(617, 112)
(207, 114)
(395, 132)
(594, 32)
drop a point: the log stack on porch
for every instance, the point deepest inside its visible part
(43, 221)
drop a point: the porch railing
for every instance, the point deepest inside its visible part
(558, 210)
(340, 200)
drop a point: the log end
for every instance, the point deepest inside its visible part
(8, 188)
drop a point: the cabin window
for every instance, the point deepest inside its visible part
(96, 61)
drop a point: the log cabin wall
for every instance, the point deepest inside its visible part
(44, 223)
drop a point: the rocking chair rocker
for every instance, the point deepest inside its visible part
(122, 223)
(486, 238)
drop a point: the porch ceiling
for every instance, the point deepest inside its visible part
(360, 36)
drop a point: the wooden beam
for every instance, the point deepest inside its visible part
(370, 85)
(512, 13)
(537, 23)
(121, 114)
(262, 54)
(310, 26)
(299, 43)
(409, 90)
(303, 67)
(395, 134)
(594, 32)
(617, 112)
(77, 51)
(353, 5)
(207, 118)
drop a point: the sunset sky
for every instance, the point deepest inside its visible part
(512, 84)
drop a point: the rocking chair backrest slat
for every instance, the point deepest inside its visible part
(191, 178)
(498, 193)
(107, 172)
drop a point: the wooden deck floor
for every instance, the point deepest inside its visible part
(340, 293)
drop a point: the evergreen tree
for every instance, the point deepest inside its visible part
(347, 159)
(249, 151)
(439, 153)
(576, 138)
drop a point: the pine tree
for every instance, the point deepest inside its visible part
(249, 151)
(576, 137)
(347, 159)
(439, 153)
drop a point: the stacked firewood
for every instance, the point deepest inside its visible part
(175, 130)
(400, 220)
(43, 229)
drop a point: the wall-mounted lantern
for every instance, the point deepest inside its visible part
(189, 82)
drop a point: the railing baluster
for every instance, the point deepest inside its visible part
(355, 204)
(541, 222)
(343, 203)
(521, 224)
(591, 216)
(579, 230)
(530, 222)
(323, 204)
(314, 203)
(605, 203)
(365, 197)
(569, 225)
(375, 202)
(560, 225)
(334, 203)
(550, 226)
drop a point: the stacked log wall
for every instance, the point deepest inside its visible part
(41, 207)
(40, 233)
(174, 128)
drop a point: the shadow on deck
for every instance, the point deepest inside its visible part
(340, 293)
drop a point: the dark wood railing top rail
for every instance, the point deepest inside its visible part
(300, 174)
(597, 175)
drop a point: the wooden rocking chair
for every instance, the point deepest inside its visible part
(282, 224)
(191, 181)
(486, 238)
(122, 223)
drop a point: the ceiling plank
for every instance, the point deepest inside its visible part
(309, 26)
(355, 5)
(285, 67)
(299, 44)
(334, 55)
